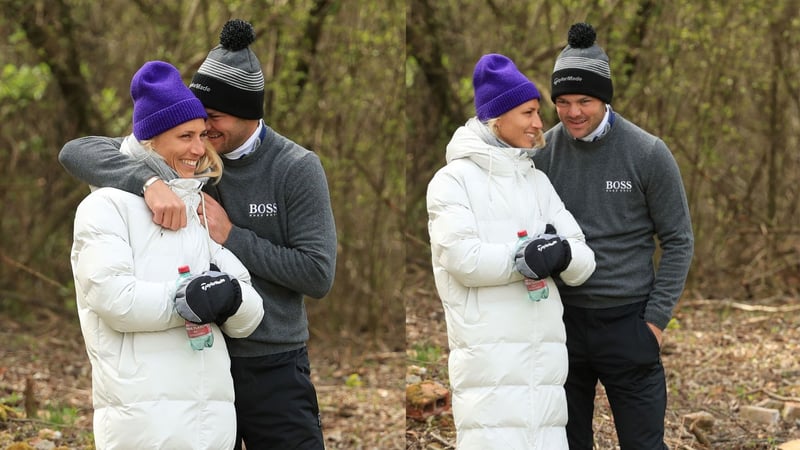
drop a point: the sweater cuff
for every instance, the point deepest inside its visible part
(657, 318)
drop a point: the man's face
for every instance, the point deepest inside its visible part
(226, 132)
(580, 114)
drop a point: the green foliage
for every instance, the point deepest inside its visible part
(21, 85)
(63, 416)
(111, 106)
(424, 353)
(377, 88)
(334, 84)
(673, 324)
(717, 83)
(13, 399)
(354, 381)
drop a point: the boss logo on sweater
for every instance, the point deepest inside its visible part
(263, 209)
(619, 186)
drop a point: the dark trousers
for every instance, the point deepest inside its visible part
(616, 347)
(276, 403)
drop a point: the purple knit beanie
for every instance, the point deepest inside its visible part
(500, 86)
(161, 101)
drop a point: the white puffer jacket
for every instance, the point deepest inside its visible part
(149, 388)
(508, 358)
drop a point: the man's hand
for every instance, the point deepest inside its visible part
(657, 332)
(219, 225)
(169, 211)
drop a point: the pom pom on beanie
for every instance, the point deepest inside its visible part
(582, 67)
(230, 79)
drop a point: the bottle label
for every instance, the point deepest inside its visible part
(534, 285)
(537, 289)
(197, 330)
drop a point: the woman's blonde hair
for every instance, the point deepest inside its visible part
(538, 139)
(209, 165)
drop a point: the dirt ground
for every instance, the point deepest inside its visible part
(720, 357)
(361, 392)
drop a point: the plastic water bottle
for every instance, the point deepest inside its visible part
(537, 289)
(200, 335)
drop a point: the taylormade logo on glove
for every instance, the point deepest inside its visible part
(544, 256)
(208, 297)
(544, 246)
(207, 286)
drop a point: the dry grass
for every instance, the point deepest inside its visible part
(719, 356)
(360, 391)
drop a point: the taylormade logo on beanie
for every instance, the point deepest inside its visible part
(230, 79)
(582, 67)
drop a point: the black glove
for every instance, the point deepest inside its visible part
(544, 256)
(207, 297)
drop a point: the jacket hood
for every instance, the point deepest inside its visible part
(474, 141)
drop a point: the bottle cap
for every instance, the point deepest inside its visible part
(183, 269)
(522, 233)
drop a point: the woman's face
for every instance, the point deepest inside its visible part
(182, 146)
(521, 126)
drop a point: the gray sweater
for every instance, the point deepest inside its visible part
(277, 198)
(625, 190)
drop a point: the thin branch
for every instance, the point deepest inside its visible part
(36, 274)
(740, 306)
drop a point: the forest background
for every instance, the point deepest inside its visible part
(719, 84)
(376, 89)
(334, 73)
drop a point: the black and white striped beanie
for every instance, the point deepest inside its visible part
(230, 79)
(582, 67)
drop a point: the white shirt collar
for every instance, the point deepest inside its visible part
(248, 146)
(600, 130)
